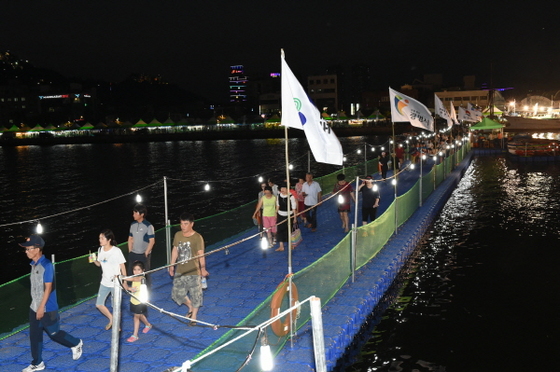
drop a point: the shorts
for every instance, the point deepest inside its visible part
(138, 308)
(270, 222)
(187, 286)
(102, 295)
(369, 213)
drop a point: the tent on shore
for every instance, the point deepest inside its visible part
(487, 123)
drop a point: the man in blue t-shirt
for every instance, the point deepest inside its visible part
(43, 312)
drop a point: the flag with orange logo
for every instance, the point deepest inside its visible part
(405, 108)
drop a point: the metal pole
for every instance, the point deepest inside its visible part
(117, 300)
(420, 176)
(435, 171)
(308, 161)
(365, 159)
(355, 231)
(318, 338)
(289, 227)
(166, 222)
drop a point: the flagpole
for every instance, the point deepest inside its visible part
(420, 177)
(394, 154)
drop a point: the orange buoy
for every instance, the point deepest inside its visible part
(281, 327)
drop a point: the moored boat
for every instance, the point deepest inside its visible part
(529, 146)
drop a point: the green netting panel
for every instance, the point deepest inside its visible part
(408, 203)
(372, 167)
(427, 184)
(439, 169)
(372, 237)
(17, 294)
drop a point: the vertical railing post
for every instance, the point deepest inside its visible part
(318, 338)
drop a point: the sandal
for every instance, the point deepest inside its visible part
(132, 338)
(192, 323)
(108, 326)
(147, 329)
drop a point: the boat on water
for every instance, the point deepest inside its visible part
(533, 124)
(526, 145)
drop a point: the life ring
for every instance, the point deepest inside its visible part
(282, 327)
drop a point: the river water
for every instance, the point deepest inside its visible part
(97, 182)
(481, 292)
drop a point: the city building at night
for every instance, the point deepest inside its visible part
(237, 84)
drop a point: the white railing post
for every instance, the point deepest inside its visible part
(318, 338)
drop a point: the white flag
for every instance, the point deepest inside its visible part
(441, 111)
(453, 114)
(298, 112)
(467, 115)
(404, 108)
(473, 111)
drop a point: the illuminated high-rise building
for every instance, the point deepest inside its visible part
(237, 84)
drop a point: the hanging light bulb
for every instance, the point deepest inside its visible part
(344, 158)
(340, 199)
(375, 187)
(261, 179)
(440, 153)
(382, 148)
(207, 187)
(138, 198)
(359, 151)
(143, 294)
(394, 182)
(373, 149)
(290, 167)
(264, 243)
(435, 158)
(411, 166)
(266, 354)
(424, 157)
(39, 228)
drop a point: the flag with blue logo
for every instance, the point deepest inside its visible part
(298, 112)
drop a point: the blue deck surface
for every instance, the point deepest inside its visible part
(239, 282)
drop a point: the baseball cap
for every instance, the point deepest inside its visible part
(34, 241)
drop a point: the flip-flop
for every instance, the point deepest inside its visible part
(132, 338)
(147, 329)
(108, 326)
(192, 324)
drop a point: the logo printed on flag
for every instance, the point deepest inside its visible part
(302, 117)
(404, 108)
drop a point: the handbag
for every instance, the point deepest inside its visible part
(295, 236)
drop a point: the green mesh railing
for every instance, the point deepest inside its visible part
(78, 280)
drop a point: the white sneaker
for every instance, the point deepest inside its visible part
(77, 350)
(33, 367)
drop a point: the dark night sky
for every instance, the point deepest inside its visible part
(193, 43)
